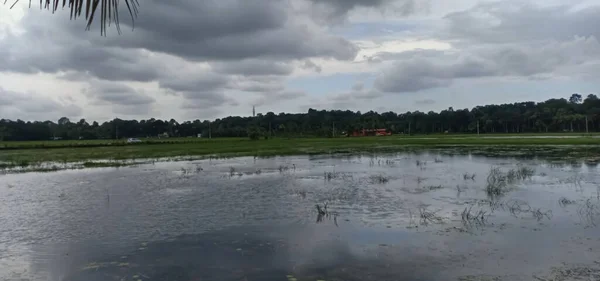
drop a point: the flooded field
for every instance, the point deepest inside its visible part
(409, 216)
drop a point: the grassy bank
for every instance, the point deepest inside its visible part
(24, 156)
(415, 139)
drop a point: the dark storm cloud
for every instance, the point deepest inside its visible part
(230, 30)
(237, 38)
(339, 8)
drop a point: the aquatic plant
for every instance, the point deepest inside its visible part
(473, 218)
(496, 182)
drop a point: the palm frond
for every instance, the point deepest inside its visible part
(109, 10)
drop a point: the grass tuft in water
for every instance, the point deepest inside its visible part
(428, 217)
(496, 183)
(472, 218)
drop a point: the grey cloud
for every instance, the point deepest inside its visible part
(265, 84)
(424, 70)
(239, 38)
(205, 100)
(253, 67)
(275, 97)
(230, 30)
(339, 8)
(425, 102)
(520, 21)
(115, 93)
(33, 106)
(194, 81)
(81, 57)
(358, 87)
(308, 64)
(355, 95)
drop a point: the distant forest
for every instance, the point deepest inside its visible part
(554, 115)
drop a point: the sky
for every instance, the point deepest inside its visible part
(191, 59)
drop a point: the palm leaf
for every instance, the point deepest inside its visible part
(109, 10)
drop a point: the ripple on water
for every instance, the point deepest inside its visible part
(413, 215)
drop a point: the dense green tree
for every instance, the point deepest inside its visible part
(553, 115)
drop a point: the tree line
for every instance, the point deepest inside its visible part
(574, 114)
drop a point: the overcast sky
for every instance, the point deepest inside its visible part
(193, 59)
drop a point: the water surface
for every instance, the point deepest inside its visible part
(388, 217)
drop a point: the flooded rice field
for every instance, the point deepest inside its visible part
(408, 216)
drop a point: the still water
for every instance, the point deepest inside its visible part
(410, 216)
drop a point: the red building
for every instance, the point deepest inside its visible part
(370, 132)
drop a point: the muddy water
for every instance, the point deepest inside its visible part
(388, 217)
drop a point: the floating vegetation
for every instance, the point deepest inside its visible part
(434, 187)
(337, 175)
(231, 171)
(467, 176)
(420, 163)
(563, 202)
(380, 179)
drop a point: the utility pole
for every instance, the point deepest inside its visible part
(270, 130)
(209, 131)
(478, 127)
(409, 125)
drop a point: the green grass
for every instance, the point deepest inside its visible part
(22, 153)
